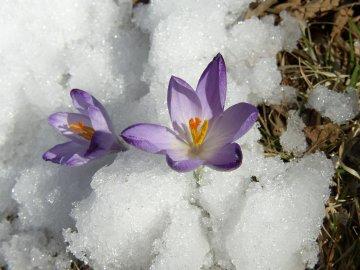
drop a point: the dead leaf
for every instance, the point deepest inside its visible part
(289, 5)
(341, 19)
(260, 9)
(277, 124)
(311, 8)
(321, 134)
(280, 109)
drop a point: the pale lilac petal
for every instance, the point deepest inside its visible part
(101, 144)
(152, 138)
(83, 100)
(211, 88)
(62, 120)
(98, 119)
(231, 125)
(182, 160)
(77, 160)
(183, 103)
(227, 158)
(184, 165)
(69, 153)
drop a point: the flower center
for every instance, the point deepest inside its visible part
(198, 131)
(80, 129)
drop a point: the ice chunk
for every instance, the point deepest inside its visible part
(339, 107)
(293, 139)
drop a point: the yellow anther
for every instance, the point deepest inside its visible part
(80, 129)
(198, 136)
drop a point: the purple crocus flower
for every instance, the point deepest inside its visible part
(91, 132)
(203, 133)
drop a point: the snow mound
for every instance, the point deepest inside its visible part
(128, 209)
(34, 251)
(339, 107)
(279, 222)
(293, 139)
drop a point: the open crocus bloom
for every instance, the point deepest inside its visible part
(90, 131)
(203, 133)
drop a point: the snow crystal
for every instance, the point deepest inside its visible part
(293, 139)
(339, 107)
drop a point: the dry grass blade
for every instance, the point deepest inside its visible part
(313, 8)
(322, 134)
(260, 9)
(341, 19)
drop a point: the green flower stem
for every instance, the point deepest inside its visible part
(198, 175)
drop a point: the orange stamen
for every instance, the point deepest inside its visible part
(80, 129)
(197, 135)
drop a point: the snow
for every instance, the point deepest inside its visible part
(293, 139)
(278, 210)
(34, 251)
(131, 211)
(339, 107)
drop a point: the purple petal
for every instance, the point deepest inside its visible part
(62, 120)
(83, 100)
(227, 158)
(183, 103)
(101, 144)
(184, 165)
(181, 160)
(231, 125)
(211, 88)
(69, 154)
(152, 138)
(98, 119)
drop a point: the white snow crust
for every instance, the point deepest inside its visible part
(293, 139)
(131, 211)
(339, 107)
